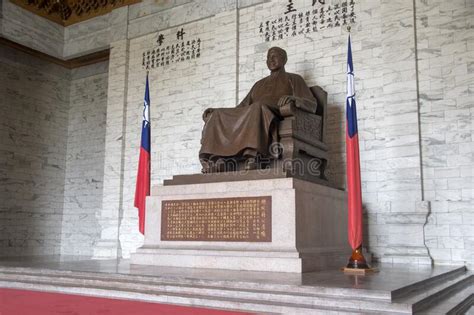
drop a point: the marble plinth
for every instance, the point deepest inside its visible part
(309, 229)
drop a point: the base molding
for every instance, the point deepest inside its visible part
(273, 261)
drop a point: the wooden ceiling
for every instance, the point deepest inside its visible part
(67, 12)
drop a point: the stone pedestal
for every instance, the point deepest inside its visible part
(308, 228)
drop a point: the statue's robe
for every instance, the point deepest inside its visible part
(249, 129)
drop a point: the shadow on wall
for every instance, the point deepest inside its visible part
(33, 123)
(51, 134)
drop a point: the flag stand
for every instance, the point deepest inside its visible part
(357, 263)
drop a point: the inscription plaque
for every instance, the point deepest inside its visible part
(245, 219)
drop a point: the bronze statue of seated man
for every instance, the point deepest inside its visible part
(245, 133)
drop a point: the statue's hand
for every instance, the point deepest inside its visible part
(207, 113)
(286, 99)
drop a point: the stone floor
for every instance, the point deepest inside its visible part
(402, 287)
(389, 277)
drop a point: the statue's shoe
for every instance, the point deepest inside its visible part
(219, 165)
(250, 164)
(213, 167)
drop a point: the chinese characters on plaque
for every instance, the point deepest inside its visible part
(246, 219)
(166, 54)
(322, 15)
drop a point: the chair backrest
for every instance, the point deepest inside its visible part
(322, 98)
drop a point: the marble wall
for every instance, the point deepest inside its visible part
(445, 48)
(414, 80)
(31, 30)
(52, 127)
(179, 95)
(84, 159)
(33, 126)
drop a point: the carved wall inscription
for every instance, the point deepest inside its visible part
(296, 21)
(246, 219)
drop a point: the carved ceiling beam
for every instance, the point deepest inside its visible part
(67, 12)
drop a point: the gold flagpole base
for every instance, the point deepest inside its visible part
(362, 272)
(357, 263)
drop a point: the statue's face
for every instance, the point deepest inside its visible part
(275, 60)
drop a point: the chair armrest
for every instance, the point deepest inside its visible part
(289, 104)
(288, 109)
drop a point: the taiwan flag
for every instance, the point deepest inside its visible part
(143, 177)
(353, 161)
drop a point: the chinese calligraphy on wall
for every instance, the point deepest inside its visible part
(166, 54)
(320, 16)
(224, 219)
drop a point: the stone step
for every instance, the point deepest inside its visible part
(457, 303)
(250, 284)
(275, 297)
(104, 282)
(238, 295)
(432, 281)
(185, 300)
(465, 307)
(425, 297)
(182, 281)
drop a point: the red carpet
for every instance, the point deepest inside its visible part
(23, 302)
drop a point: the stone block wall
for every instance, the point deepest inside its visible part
(31, 30)
(33, 127)
(84, 174)
(446, 94)
(179, 94)
(52, 127)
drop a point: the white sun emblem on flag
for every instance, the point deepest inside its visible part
(146, 113)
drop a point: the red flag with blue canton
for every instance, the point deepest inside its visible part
(143, 177)
(353, 160)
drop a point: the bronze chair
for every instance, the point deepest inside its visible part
(302, 134)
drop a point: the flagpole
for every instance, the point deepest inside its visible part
(357, 262)
(142, 189)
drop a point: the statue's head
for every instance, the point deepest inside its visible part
(276, 58)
